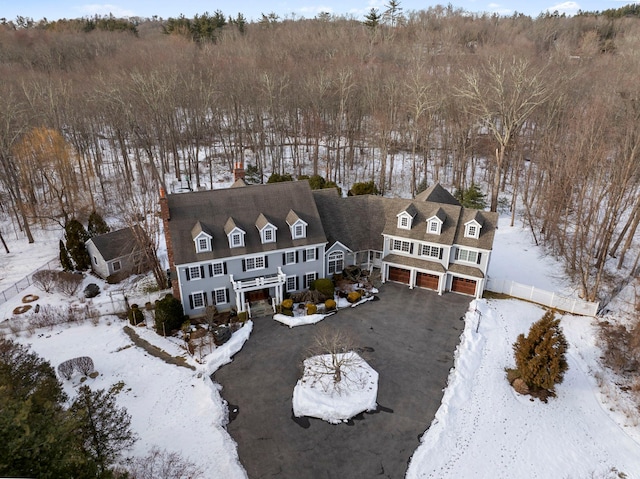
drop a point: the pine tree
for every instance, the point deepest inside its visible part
(169, 314)
(472, 197)
(76, 236)
(103, 428)
(65, 261)
(540, 356)
(97, 225)
(372, 19)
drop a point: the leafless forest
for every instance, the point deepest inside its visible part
(543, 113)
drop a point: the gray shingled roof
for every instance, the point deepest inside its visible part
(437, 194)
(225, 208)
(117, 243)
(359, 221)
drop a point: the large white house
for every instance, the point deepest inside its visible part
(235, 246)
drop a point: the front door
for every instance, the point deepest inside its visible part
(257, 295)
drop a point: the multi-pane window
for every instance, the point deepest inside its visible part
(236, 240)
(399, 245)
(291, 283)
(256, 262)
(268, 235)
(432, 251)
(298, 231)
(220, 295)
(194, 272)
(311, 254)
(433, 227)
(203, 244)
(290, 257)
(404, 222)
(198, 300)
(336, 262)
(309, 278)
(218, 269)
(116, 266)
(472, 231)
(468, 255)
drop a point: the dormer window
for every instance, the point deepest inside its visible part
(405, 217)
(435, 222)
(234, 233)
(297, 225)
(472, 228)
(201, 237)
(267, 229)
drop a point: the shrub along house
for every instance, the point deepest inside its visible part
(232, 247)
(118, 254)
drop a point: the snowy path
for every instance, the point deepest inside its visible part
(484, 429)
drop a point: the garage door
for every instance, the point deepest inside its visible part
(463, 285)
(426, 280)
(399, 275)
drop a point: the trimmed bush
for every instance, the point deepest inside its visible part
(324, 286)
(243, 316)
(354, 296)
(330, 304)
(287, 312)
(287, 304)
(134, 315)
(311, 309)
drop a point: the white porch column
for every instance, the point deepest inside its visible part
(239, 305)
(412, 278)
(441, 281)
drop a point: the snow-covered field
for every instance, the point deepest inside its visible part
(482, 429)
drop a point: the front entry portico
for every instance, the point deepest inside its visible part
(256, 286)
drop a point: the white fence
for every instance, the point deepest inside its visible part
(541, 296)
(25, 282)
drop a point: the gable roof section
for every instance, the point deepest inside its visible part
(200, 228)
(118, 243)
(437, 194)
(224, 209)
(489, 222)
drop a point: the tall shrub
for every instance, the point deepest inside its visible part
(541, 355)
(169, 314)
(76, 236)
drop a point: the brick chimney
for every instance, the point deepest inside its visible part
(238, 171)
(165, 214)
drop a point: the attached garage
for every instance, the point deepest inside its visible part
(399, 275)
(426, 280)
(463, 285)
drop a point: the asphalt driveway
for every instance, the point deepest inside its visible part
(410, 335)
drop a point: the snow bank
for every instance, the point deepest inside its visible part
(293, 321)
(316, 395)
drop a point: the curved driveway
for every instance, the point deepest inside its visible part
(413, 334)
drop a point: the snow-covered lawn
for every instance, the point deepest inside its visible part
(485, 429)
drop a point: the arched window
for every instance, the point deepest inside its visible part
(336, 262)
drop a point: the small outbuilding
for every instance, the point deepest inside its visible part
(119, 254)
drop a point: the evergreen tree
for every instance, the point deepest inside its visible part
(278, 178)
(540, 356)
(372, 19)
(36, 432)
(365, 188)
(97, 225)
(103, 429)
(472, 197)
(169, 314)
(65, 261)
(76, 235)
